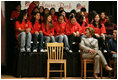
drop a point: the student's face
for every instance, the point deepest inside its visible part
(114, 33)
(36, 10)
(82, 13)
(63, 13)
(46, 11)
(52, 11)
(25, 16)
(87, 33)
(41, 9)
(61, 19)
(18, 8)
(102, 15)
(73, 20)
(49, 18)
(37, 16)
(97, 18)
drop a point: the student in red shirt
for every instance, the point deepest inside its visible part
(32, 5)
(52, 12)
(46, 11)
(37, 32)
(15, 13)
(23, 28)
(64, 13)
(60, 32)
(103, 17)
(100, 31)
(73, 30)
(32, 13)
(41, 10)
(48, 29)
(83, 25)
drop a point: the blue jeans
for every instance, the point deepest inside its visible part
(63, 38)
(38, 37)
(49, 39)
(25, 38)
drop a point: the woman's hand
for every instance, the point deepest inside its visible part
(97, 35)
(91, 51)
(36, 32)
(103, 36)
(74, 34)
(40, 32)
(77, 34)
(28, 30)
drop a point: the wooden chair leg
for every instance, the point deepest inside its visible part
(65, 70)
(48, 69)
(81, 69)
(101, 71)
(84, 69)
(61, 69)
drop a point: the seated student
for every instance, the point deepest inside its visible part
(103, 17)
(48, 29)
(61, 8)
(84, 13)
(32, 6)
(64, 13)
(83, 24)
(89, 46)
(15, 13)
(23, 28)
(32, 13)
(112, 49)
(41, 10)
(60, 32)
(100, 31)
(46, 11)
(73, 30)
(37, 32)
(54, 17)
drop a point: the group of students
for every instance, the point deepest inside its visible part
(43, 25)
(39, 24)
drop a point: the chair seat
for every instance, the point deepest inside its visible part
(89, 60)
(56, 61)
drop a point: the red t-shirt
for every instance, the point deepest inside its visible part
(23, 26)
(99, 31)
(49, 31)
(84, 27)
(36, 27)
(14, 14)
(60, 28)
(54, 18)
(71, 28)
(103, 21)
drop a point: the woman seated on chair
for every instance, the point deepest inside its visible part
(89, 46)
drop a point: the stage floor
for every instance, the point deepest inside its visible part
(12, 77)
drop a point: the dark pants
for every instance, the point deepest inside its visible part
(39, 38)
(101, 42)
(72, 38)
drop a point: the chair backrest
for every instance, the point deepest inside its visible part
(55, 50)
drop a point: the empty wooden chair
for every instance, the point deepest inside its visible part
(55, 55)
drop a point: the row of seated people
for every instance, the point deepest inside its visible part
(57, 31)
(81, 16)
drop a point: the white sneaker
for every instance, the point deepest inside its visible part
(28, 50)
(35, 50)
(70, 51)
(45, 50)
(22, 50)
(41, 50)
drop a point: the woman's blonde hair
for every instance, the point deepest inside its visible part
(91, 30)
